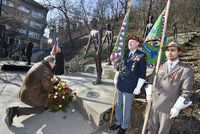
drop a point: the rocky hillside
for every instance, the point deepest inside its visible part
(189, 121)
(192, 57)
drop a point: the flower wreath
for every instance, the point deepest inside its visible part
(60, 95)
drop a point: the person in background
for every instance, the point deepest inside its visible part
(59, 67)
(132, 75)
(29, 51)
(34, 90)
(174, 28)
(172, 90)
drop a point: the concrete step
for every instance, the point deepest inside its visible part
(92, 100)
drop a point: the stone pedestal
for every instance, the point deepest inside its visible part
(92, 100)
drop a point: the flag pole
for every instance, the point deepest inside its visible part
(113, 107)
(157, 67)
(115, 92)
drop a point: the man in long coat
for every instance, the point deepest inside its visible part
(34, 90)
(29, 51)
(172, 90)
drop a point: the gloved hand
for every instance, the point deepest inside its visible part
(140, 83)
(148, 91)
(174, 112)
(116, 78)
(136, 91)
(180, 104)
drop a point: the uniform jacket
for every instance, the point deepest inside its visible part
(169, 86)
(133, 68)
(34, 89)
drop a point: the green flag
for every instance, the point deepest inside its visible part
(153, 40)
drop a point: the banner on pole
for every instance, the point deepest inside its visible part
(153, 40)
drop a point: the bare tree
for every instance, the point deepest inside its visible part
(74, 13)
(85, 13)
(64, 7)
(124, 4)
(116, 9)
(100, 12)
(196, 6)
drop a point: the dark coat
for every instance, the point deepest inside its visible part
(59, 67)
(34, 89)
(29, 48)
(134, 67)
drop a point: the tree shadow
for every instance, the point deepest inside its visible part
(51, 123)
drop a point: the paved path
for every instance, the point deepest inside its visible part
(45, 123)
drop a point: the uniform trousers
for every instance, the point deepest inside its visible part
(123, 109)
(160, 123)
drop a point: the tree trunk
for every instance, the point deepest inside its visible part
(69, 31)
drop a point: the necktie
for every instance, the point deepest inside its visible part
(170, 66)
(130, 55)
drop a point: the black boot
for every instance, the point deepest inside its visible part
(114, 126)
(11, 112)
(121, 131)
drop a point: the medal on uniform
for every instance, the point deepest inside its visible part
(123, 68)
(133, 66)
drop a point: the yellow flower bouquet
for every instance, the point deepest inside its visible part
(60, 95)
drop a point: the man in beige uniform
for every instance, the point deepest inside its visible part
(172, 90)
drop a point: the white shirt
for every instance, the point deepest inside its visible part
(172, 64)
(131, 53)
